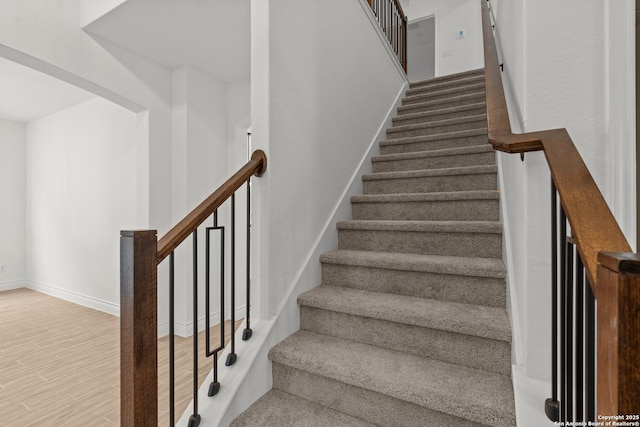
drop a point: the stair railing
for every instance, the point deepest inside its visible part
(393, 22)
(599, 360)
(140, 255)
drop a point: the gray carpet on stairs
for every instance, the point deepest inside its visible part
(409, 326)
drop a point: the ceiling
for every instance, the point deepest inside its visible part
(28, 94)
(213, 36)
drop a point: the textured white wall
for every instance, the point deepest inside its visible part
(452, 55)
(81, 191)
(12, 203)
(327, 97)
(567, 64)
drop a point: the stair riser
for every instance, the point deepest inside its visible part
(437, 86)
(459, 160)
(464, 289)
(423, 107)
(431, 184)
(436, 117)
(439, 210)
(425, 242)
(367, 405)
(395, 133)
(444, 94)
(440, 144)
(472, 351)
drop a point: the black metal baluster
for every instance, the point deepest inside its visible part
(563, 310)
(194, 419)
(579, 357)
(172, 372)
(214, 387)
(246, 334)
(232, 356)
(552, 406)
(591, 353)
(568, 402)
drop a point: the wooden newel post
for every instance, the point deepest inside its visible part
(138, 329)
(618, 329)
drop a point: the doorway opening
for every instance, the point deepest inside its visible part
(421, 49)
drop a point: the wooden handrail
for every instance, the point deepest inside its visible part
(592, 223)
(256, 166)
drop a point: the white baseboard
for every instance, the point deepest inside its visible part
(15, 284)
(74, 297)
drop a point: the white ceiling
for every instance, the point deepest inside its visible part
(211, 35)
(27, 94)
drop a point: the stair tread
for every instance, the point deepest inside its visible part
(477, 320)
(423, 226)
(438, 123)
(479, 96)
(464, 170)
(435, 137)
(475, 87)
(473, 149)
(439, 112)
(477, 71)
(453, 389)
(441, 264)
(463, 81)
(427, 197)
(277, 408)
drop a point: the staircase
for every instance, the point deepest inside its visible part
(409, 326)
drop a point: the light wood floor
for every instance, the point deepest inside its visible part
(60, 364)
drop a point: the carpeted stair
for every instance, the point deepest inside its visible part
(409, 326)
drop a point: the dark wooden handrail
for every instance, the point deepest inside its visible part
(612, 270)
(256, 166)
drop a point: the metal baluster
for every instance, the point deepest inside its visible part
(214, 387)
(552, 406)
(568, 342)
(563, 317)
(246, 334)
(591, 353)
(194, 419)
(172, 372)
(232, 356)
(580, 283)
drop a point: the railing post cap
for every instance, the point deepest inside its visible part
(137, 233)
(620, 262)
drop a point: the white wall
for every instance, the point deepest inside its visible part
(324, 108)
(566, 64)
(49, 38)
(13, 204)
(452, 55)
(81, 191)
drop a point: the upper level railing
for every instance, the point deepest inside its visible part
(140, 254)
(393, 22)
(599, 353)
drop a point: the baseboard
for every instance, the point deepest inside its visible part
(530, 394)
(15, 284)
(186, 329)
(74, 297)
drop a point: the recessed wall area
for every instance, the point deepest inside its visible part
(72, 180)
